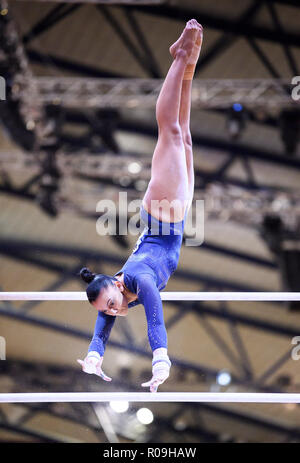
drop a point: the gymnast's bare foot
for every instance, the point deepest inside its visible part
(187, 39)
(197, 36)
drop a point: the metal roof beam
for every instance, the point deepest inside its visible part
(218, 22)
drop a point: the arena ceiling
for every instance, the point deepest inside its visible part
(52, 180)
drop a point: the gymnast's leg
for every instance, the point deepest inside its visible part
(169, 177)
(185, 109)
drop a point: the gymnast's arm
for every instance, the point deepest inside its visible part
(148, 294)
(93, 361)
(103, 326)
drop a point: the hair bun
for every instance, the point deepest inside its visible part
(87, 275)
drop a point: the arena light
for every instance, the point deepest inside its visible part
(119, 406)
(145, 416)
(224, 378)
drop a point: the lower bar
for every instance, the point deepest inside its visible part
(229, 397)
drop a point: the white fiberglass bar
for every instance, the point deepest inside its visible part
(165, 296)
(228, 397)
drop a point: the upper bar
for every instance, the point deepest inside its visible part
(229, 397)
(165, 296)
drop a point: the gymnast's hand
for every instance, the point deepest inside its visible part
(160, 369)
(92, 365)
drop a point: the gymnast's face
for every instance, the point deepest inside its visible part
(112, 301)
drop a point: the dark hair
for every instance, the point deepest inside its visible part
(96, 282)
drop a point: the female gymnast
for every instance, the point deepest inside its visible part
(163, 212)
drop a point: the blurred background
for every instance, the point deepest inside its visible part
(77, 126)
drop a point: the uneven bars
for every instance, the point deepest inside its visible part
(228, 397)
(165, 296)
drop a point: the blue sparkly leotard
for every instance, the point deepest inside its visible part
(146, 272)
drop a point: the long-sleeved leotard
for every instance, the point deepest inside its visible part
(146, 273)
